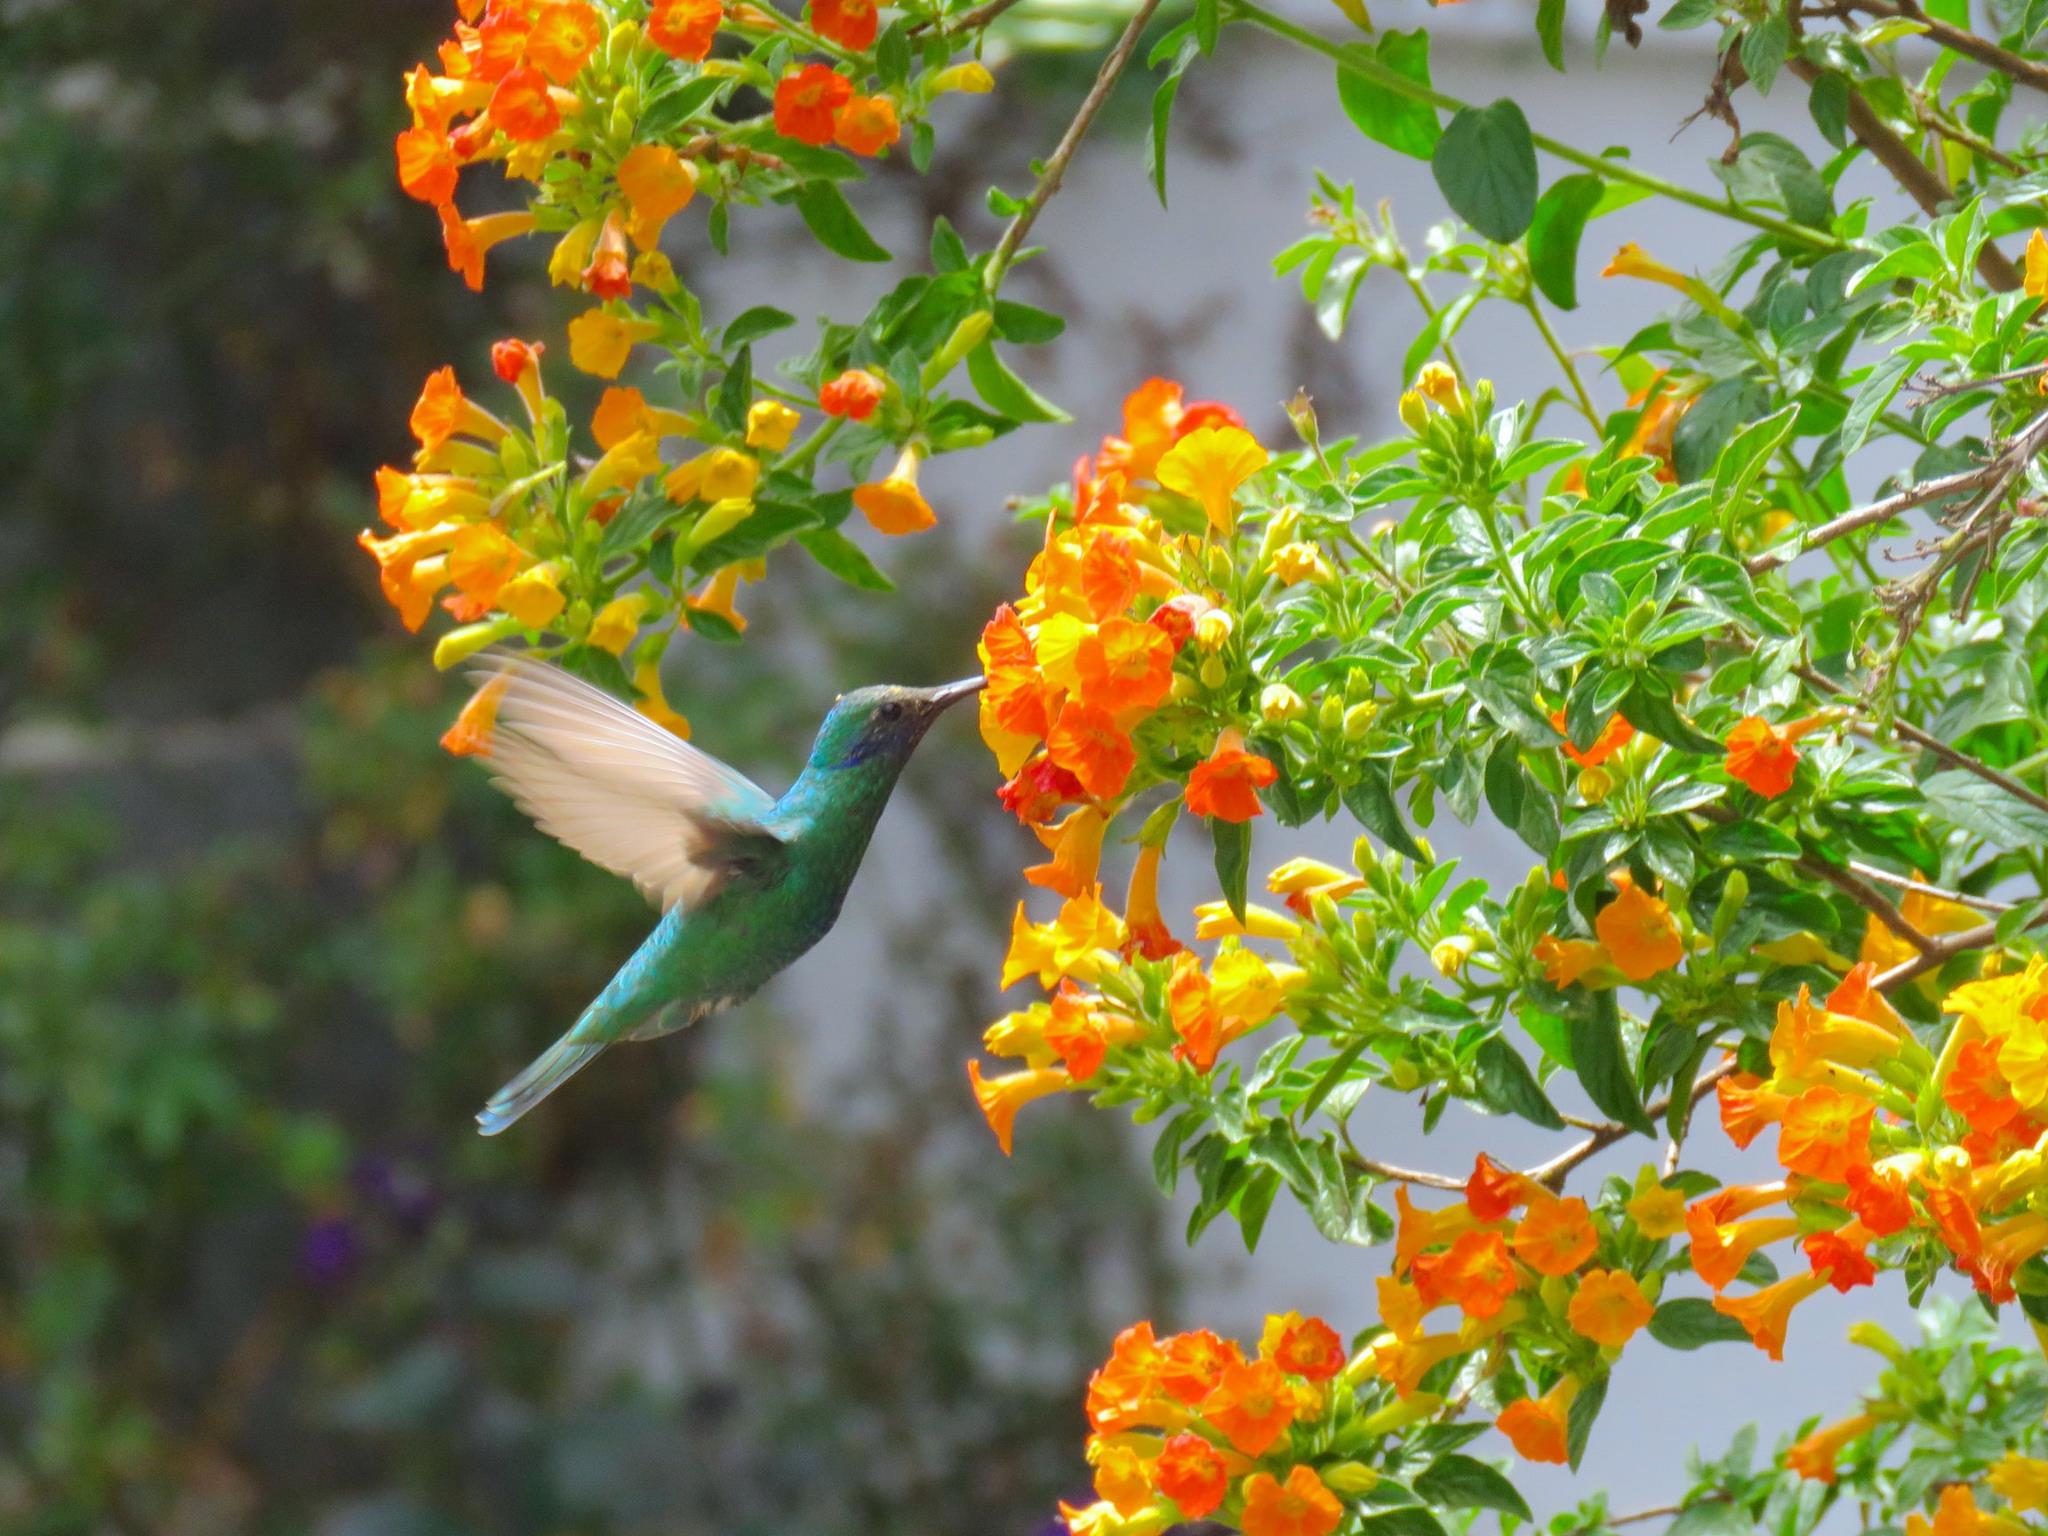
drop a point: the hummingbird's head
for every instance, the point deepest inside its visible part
(884, 723)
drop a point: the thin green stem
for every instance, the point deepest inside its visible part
(1614, 170)
(1564, 359)
(1415, 286)
(811, 446)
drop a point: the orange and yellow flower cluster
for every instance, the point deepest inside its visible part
(564, 94)
(1878, 1140)
(1514, 1254)
(1189, 1428)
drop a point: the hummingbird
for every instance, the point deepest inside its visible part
(746, 882)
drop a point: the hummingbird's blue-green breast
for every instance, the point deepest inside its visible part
(748, 882)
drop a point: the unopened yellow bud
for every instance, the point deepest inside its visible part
(1218, 564)
(1213, 629)
(719, 519)
(1350, 1479)
(1182, 689)
(970, 333)
(1414, 410)
(1213, 672)
(1279, 704)
(1449, 955)
(1279, 531)
(1871, 1336)
(1403, 1411)
(1404, 1074)
(1330, 714)
(458, 645)
(653, 270)
(1358, 720)
(1951, 1165)
(971, 78)
(1595, 784)
(1363, 858)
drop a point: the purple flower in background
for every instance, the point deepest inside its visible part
(329, 1250)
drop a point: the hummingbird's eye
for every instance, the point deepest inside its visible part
(891, 711)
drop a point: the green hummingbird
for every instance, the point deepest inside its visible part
(747, 882)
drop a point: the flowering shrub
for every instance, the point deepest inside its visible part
(1782, 800)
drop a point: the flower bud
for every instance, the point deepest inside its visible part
(458, 645)
(1401, 1412)
(970, 333)
(1439, 384)
(1279, 532)
(1330, 714)
(1278, 704)
(1595, 784)
(1449, 955)
(971, 78)
(1182, 688)
(1871, 1336)
(1322, 910)
(1363, 928)
(1218, 564)
(1404, 1074)
(1301, 410)
(1363, 858)
(1413, 410)
(1213, 672)
(1358, 720)
(1350, 1479)
(1213, 629)
(1729, 907)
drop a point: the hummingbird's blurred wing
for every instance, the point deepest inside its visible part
(627, 794)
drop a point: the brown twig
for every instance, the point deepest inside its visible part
(1932, 392)
(1960, 40)
(1881, 511)
(1399, 1175)
(1870, 900)
(1552, 1173)
(1921, 184)
(966, 21)
(1055, 169)
(1822, 683)
(1909, 883)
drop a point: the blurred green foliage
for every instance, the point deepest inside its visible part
(263, 948)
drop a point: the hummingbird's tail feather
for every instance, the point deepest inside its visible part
(552, 1068)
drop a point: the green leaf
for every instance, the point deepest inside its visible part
(1385, 115)
(1550, 31)
(1601, 1063)
(1233, 843)
(1162, 114)
(1748, 451)
(753, 324)
(735, 392)
(1986, 810)
(1371, 800)
(1763, 51)
(1005, 392)
(892, 53)
(1688, 1322)
(1461, 1482)
(1208, 23)
(1410, 1520)
(1578, 1422)
(1828, 103)
(1025, 325)
(844, 559)
(1554, 233)
(838, 228)
(1873, 395)
(1504, 1080)
(949, 251)
(1485, 166)
(1687, 14)
(1722, 409)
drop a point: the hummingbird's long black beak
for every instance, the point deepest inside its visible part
(953, 693)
